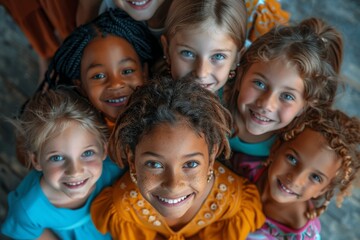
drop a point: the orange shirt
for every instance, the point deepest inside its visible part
(231, 211)
(264, 15)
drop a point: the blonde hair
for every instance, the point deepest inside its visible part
(342, 133)
(313, 47)
(230, 15)
(47, 114)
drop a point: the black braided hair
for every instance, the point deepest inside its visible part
(65, 65)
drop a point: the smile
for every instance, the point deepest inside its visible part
(285, 189)
(173, 201)
(75, 184)
(139, 3)
(259, 117)
(118, 100)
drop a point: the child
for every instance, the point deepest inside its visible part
(107, 58)
(170, 136)
(154, 12)
(315, 160)
(67, 139)
(206, 38)
(283, 73)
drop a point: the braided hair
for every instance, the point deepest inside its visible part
(163, 100)
(342, 133)
(65, 65)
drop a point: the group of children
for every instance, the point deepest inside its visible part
(216, 140)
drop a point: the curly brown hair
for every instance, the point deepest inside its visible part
(164, 100)
(342, 133)
(313, 47)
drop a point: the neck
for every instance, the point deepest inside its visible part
(158, 19)
(291, 214)
(246, 136)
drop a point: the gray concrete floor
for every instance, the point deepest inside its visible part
(19, 78)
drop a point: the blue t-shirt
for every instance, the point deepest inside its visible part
(30, 212)
(260, 149)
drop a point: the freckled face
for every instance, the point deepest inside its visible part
(208, 55)
(302, 168)
(172, 164)
(271, 95)
(110, 71)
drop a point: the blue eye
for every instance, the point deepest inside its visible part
(128, 71)
(56, 158)
(99, 76)
(287, 97)
(191, 164)
(187, 54)
(218, 57)
(153, 164)
(88, 153)
(316, 178)
(291, 159)
(259, 84)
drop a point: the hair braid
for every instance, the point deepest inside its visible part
(65, 65)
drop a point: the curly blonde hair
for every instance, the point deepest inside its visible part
(342, 133)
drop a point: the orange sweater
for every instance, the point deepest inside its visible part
(231, 211)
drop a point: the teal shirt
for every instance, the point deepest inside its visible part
(260, 149)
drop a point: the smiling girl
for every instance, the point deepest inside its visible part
(107, 59)
(170, 136)
(283, 74)
(67, 143)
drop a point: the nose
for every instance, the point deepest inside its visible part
(267, 101)
(115, 81)
(74, 167)
(297, 179)
(172, 180)
(202, 68)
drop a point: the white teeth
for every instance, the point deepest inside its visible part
(75, 183)
(172, 201)
(264, 119)
(119, 100)
(139, 3)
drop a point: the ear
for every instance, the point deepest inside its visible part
(145, 69)
(130, 159)
(35, 162)
(165, 45)
(214, 152)
(238, 57)
(105, 151)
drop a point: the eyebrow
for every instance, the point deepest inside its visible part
(263, 76)
(317, 171)
(214, 50)
(185, 156)
(122, 61)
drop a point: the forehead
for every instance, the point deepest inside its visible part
(205, 34)
(172, 140)
(103, 46)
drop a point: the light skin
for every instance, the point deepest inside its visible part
(110, 72)
(271, 95)
(205, 51)
(140, 10)
(172, 165)
(71, 163)
(301, 170)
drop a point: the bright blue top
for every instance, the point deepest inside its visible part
(30, 212)
(260, 149)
